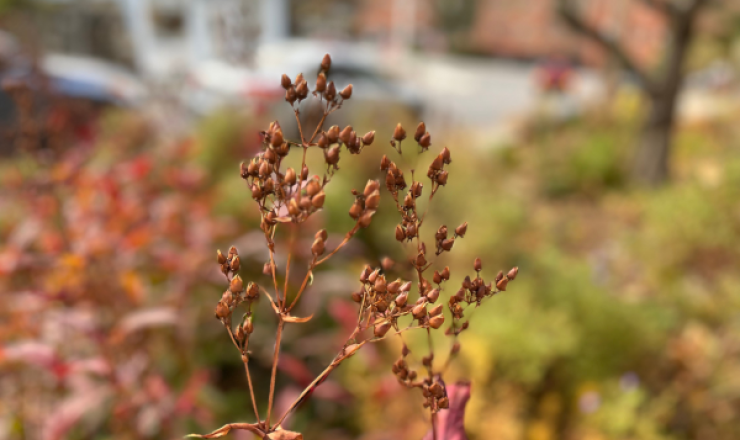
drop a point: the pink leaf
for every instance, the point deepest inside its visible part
(451, 422)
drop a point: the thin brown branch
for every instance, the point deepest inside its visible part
(222, 431)
(273, 375)
(347, 237)
(580, 25)
(245, 360)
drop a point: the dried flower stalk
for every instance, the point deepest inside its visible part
(287, 196)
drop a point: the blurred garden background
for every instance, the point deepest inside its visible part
(595, 145)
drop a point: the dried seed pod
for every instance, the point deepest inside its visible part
(236, 285)
(477, 265)
(323, 141)
(313, 187)
(301, 89)
(326, 63)
(253, 168)
(346, 93)
(239, 334)
(332, 155)
(416, 189)
(437, 163)
(269, 186)
(406, 286)
(333, 134)
(321, 82)
(466, 283)
(481, 292)
(355, 210)
(270, 218)
(512, 273)
(290, 95)
(373, 276)
(394, 286)
(235, 263)
(441, 233)
(420, 261)
(368, 138)
(304, 172)
(382, 329)
(305, 203)
(370, 187)
(437, 277)
(265, 170)
(317, 248)
(290, 176)
(399, 133)
(366, 218)
(501, 284)
(436, 321)
(270, 154)
(322, 234)
(344, 135)
(331, 91)
(253, 290)
(447, 244)
(419, 311)
(420, 130)
(499, 276)
(357, 297)
(460, 230)
(384, 163)
(433, 295)
(227, 298)
(380, 284)
(437, 390)
(373, 201)
(266, 269)
(446, 273)
(425, 141)
(436, 310)
(220, 257)
(222, 310)
(285, 82)
(446, 155)
(444, 403)
(318, 200)
(400, 234)
(442, 178)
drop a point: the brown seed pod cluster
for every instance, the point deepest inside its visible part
(284, 195)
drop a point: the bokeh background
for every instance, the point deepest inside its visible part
(124, 121)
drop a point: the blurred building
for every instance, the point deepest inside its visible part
(528, 29)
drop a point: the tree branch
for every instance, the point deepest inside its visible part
(578, 24)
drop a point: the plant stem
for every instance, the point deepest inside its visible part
(275, 360)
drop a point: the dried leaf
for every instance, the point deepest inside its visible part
(285, 435)
(296, 319)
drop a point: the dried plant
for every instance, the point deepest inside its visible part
(289, 197)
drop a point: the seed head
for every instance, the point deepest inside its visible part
(433, 295)
(501, 284)
(477, 265)
(333, 134)
(385, 163)
(366, 219)
(290, 95)
(399, 133)
(368, 138)
(318, 200)
(447, 244)
(420, 130)
(312, 187)
(419, 311)
(446, 155)
(301, 89)
(253, 290)
(236, 285)
(331, 91)
(285, 81)
(290, 176)
(222, 310)
(321, 82)
(425, 141)
(326, 63)
(382, 329)
(512, 273)
(346, 93)
(317, 248)
(235, 263)
(460, 230)
(220, 257)
(446, 273)
(436, 322)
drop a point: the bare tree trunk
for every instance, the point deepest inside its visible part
(652, 156)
